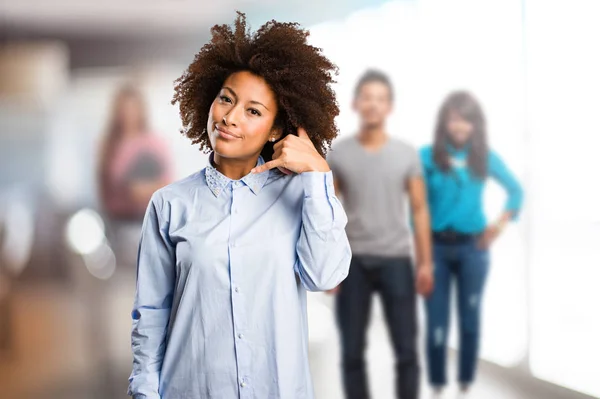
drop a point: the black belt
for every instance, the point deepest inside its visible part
(454, 237)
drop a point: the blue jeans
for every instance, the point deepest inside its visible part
(468, 266)
(393, 279)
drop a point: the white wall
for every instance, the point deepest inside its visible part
(563, 88)
(429, 48)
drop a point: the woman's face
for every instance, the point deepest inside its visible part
(459, 129)
(130, 114)
(241, 118)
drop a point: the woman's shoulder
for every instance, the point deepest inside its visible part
(494, 159)
(426, 154)
(181, 188)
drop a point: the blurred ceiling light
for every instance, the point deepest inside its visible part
(19, 228)
(33, 72)
(101, 263)
(85, 232)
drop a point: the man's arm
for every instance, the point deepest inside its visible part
(337, 187)
(420, 212)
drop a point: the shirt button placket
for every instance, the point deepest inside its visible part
(239, 318)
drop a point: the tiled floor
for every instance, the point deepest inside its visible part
(63, 355)
(326, 375)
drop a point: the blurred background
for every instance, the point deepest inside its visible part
(74, 76)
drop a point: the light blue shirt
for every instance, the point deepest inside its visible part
(223, 270)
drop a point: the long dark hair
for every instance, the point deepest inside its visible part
(298, 73)
(466, 105)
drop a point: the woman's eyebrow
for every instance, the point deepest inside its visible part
(261, 104)
(231, 91)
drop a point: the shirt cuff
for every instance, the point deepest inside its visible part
(317, 184)
(142, 396)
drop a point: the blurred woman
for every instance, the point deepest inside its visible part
(457, 167)
(134, 163)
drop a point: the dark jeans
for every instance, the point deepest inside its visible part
(393, 278)
(468, 266)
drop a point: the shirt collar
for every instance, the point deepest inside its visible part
(458, 152)
(217, 181)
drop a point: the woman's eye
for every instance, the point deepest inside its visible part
(254, 112)
(225, 99)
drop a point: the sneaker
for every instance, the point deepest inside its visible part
(437, 394)
(463, 395)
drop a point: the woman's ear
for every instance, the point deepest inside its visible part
(275, 134)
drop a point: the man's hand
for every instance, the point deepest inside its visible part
(424, 283)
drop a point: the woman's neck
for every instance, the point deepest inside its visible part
(233, 168)
(129, 134)
(458, 147)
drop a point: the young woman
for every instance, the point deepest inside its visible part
(134, 162)
(227, 254)
(457, 167)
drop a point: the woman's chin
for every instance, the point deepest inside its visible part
(225, 149)
(230, 150)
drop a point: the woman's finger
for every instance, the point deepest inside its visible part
(302, 134)
(285, 171)
(267, 166)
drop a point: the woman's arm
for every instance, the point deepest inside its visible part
(153, 298)
(141, 190)
(323, 249)
(500, 172)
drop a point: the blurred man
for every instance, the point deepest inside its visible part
(374, 175)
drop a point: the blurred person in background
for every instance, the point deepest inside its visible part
(134, 163)
(228, 253)
(375, 176)
(457, 167)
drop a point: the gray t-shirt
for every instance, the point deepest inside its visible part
(373, 191)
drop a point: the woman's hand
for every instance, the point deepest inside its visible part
(295, 154)
(489, 236)
(492, 232)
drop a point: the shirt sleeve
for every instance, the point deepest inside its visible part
(323, 248)
(152, 305)
(425, 161)
(332, 160)
(415, 168)
(500, 172)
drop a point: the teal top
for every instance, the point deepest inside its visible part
(456, 197)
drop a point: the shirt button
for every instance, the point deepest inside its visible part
(237, 289)
(241, 336)
(243, 384)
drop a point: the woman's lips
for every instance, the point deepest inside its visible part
(226, 134)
